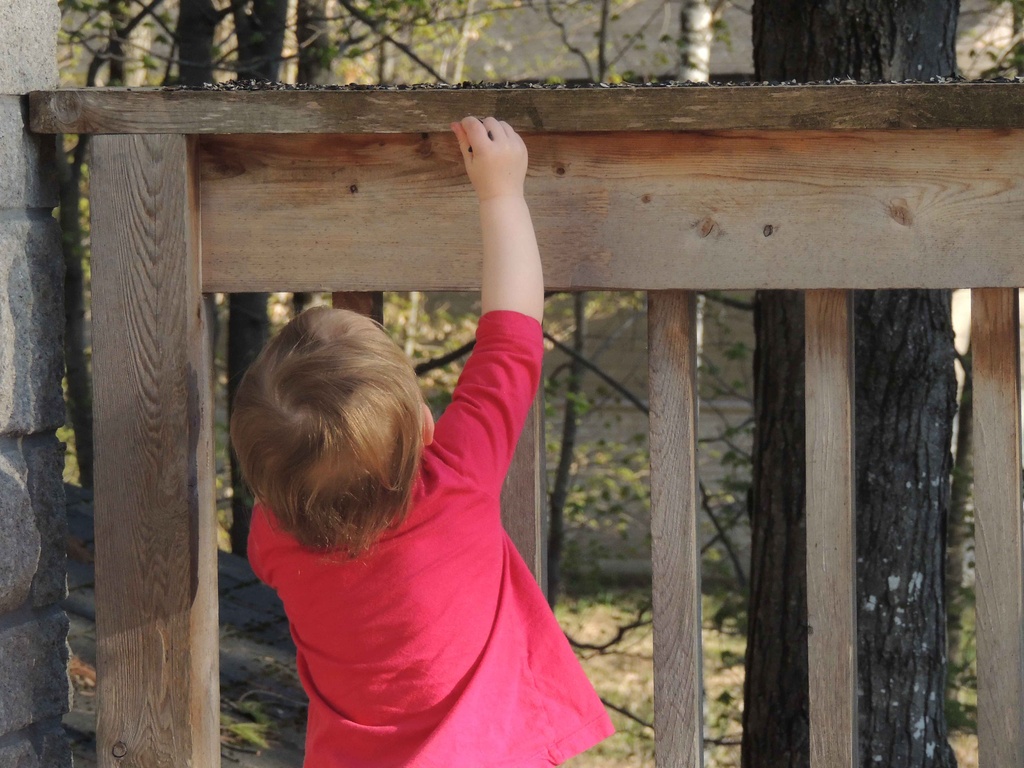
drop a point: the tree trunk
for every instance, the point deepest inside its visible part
(695, 40)
(79, 397)
(316, 51)
(905, 402)
(197, 23)
(775, 709)
(566, 452)
(961, 530)
(260, 30)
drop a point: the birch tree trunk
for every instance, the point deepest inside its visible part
(695, 35)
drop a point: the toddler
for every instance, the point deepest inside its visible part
(422, 638)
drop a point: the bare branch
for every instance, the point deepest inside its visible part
(449, 357)
(564, 32)
(376, 25)
(620, 388)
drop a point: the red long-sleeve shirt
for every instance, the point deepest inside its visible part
(437, 649)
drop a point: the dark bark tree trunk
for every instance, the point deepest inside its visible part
(905, 402)
(566, 452)
(197, 23)
(775, 708)
(316, 50)
(260, 29)
(79, 397)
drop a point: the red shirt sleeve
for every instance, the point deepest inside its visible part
(478, 432)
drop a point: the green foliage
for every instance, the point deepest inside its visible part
(1007, 60)
(246, 724)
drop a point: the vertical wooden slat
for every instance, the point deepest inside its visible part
(522, 496)
(156, 583)
(675, 550)
(831, 543)
(369, 303)
(999, 549)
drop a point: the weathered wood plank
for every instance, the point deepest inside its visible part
(693, 211)
(831, 543)
(523, 497)
(623, 108)
(675, 550)
(156, 550)
(995, 341)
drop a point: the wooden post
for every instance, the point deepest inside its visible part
(156, 552)
(523, 496)
(831, 542)
(995, 340)
(675, 550)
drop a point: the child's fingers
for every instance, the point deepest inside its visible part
(494, 129)
(461, 137)
(476, 133)
(511, 132)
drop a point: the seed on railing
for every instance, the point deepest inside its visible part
(768, 229)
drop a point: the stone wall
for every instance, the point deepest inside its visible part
(33, 628)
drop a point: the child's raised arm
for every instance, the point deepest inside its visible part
(496, 159)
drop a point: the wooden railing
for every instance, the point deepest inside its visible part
(667, 190)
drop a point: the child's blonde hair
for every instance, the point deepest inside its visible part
(327, 425)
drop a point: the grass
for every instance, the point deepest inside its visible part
(624, 676)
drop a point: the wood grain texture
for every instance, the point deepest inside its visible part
(523, 495)
(673, 210)
(690, 108)
(156, 552)
(831, 543)
(999, 549)
(675, 550)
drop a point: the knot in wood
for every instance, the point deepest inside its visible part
(706, 226)
(900, 212)
(120, 749)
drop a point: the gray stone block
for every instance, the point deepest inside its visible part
(29, 179)
(44, 459)
(55, 748)
(41, 747)
(33, 671)
(32, 330)
(19, 753)
(28, 45)
(19, 537)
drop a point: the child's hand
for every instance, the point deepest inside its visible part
(495, 157)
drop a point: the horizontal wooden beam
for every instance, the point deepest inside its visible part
(536, 109)
(798, 210)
